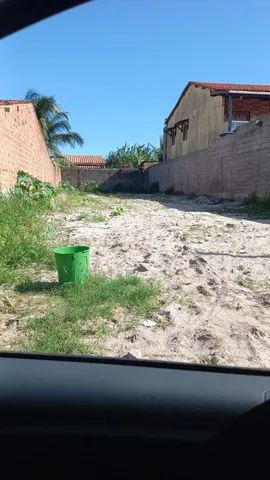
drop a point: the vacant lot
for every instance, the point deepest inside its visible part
(208, 261)
(213, 268)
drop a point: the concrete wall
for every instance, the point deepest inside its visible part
(110, 179)
(206, 121)
(207, 117)
(233, 167)
(22, 146)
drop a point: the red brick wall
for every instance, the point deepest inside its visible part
(22, 146)
(257, 107)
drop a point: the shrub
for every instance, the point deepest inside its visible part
(31, 187)
(256, 207)
(67, 187)
(251, 199)
(90, 187)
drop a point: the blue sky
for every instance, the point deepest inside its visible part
(118, 66)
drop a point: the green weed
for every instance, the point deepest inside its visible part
(90, 187)
(201, 229)
(252, 284)
(240, 267)
(184, 237)
(117, 211)
(23, 236)
(86, 217)
(186, 299)
(30, 187)
(254, 207)
(89, 312)
(67, 201)
(98, 219)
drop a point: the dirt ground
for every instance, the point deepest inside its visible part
(213, 267)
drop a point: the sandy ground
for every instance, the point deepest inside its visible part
(213, 268)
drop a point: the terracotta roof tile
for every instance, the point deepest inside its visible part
(220, 87)
(11, 102)
(232, 86)
(86, 159)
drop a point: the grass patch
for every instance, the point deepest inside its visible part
(201, 228)
(259, 208)
(73, 319)
(119, 210)
(52, 334)
(24, 236)
(87, 217)
(67, 201)
(82, 315)
(186, 300)
(185, 237)
(196, 233)
(252, 284)
(98, 219)
(84, 216)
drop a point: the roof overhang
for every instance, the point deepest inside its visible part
(246, 93)
(221, 92)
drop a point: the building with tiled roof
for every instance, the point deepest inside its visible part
(205, 110)
(86, 161)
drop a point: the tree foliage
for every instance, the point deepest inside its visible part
(133, 155)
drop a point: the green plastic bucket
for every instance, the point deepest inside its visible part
(72, 264)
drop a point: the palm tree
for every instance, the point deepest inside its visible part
(54, 123)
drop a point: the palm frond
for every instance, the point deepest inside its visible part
(60, 116)
(46, 106)
(70, 138)
(58, 123)
(58, 127)
(54, 122)
(31, 94)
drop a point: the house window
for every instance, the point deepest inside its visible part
(173, 138)
(185, 132)
(239, 119)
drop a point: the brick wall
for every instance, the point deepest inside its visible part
(233, 167)
(255, 106)
(110, 179)
(22, 146)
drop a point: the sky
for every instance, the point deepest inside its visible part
(119, 66)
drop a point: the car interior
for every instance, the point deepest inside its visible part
(86, 417)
